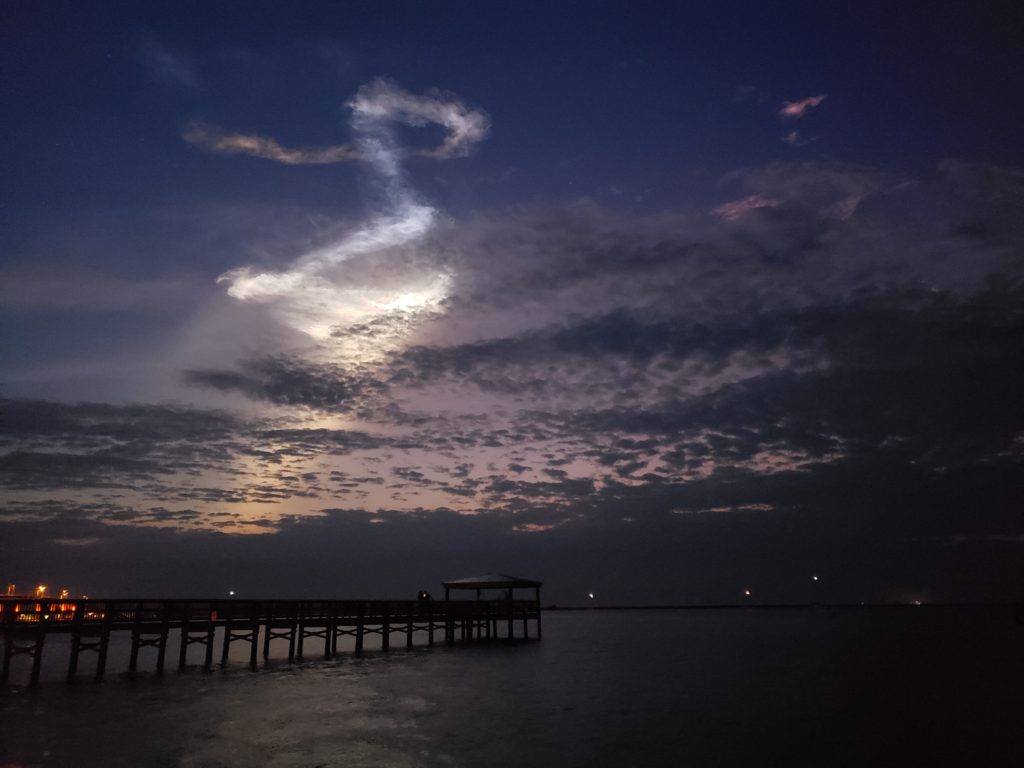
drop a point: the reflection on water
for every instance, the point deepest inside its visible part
(643, 688)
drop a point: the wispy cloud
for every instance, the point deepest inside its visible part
(215, 140)
(797, 109)
(376, 101)
(832, 190)
(383, 100)
(736, 209)
(170, 67)
(794, 139)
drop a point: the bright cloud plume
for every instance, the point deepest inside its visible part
(313, 294)
(382, 100)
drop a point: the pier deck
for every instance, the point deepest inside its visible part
(311, 627)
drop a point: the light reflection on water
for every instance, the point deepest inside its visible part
(745, 687)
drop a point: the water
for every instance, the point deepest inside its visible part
(824, 687)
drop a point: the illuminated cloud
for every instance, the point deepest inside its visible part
(309, 299)
(797, 109)
(215, 140)
(736, 209)
(383, 100)
(832, 190)
(378, 100)
(659, 395)
(311, 295)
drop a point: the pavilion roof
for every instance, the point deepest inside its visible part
(491, 581)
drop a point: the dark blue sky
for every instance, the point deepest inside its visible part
(639, 96)
(575, 296)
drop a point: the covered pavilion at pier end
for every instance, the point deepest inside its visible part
(507, 585)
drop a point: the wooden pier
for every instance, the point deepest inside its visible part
(310, 626)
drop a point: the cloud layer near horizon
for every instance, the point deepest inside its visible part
(590, 372)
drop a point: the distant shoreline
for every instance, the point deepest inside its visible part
(726, 606)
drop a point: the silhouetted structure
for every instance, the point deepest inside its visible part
(26, 622)
(507, 585)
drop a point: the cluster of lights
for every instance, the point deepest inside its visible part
(40, 592)
(26, 609)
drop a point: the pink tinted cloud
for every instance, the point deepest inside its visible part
(797, 109)
(737, 208)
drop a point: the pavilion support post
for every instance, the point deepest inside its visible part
(408, 627)
(526, 624)
(165, 629)
(509, 609)
(37, 651)
(104, 642)
(268, 633)
(254, 636)
(76, 639)
(329, 632)
(302, 632)
(37, 660)
(385, 630)
(474, 627)
(226, 645)
(211, 627)
(186, 614)
(291, 640)
(337, 620)
(537, 599)
(449, 625)
(360, 627)
(430, 623)
(133, 660)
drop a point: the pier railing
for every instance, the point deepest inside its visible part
(25, 623)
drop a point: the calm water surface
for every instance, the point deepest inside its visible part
(825, 687)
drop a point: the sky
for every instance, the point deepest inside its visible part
(660, 302)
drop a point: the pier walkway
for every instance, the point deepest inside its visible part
(309, 626)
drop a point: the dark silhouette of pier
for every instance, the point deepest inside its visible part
(309, 626)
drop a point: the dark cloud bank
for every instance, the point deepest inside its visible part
(658, 409)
